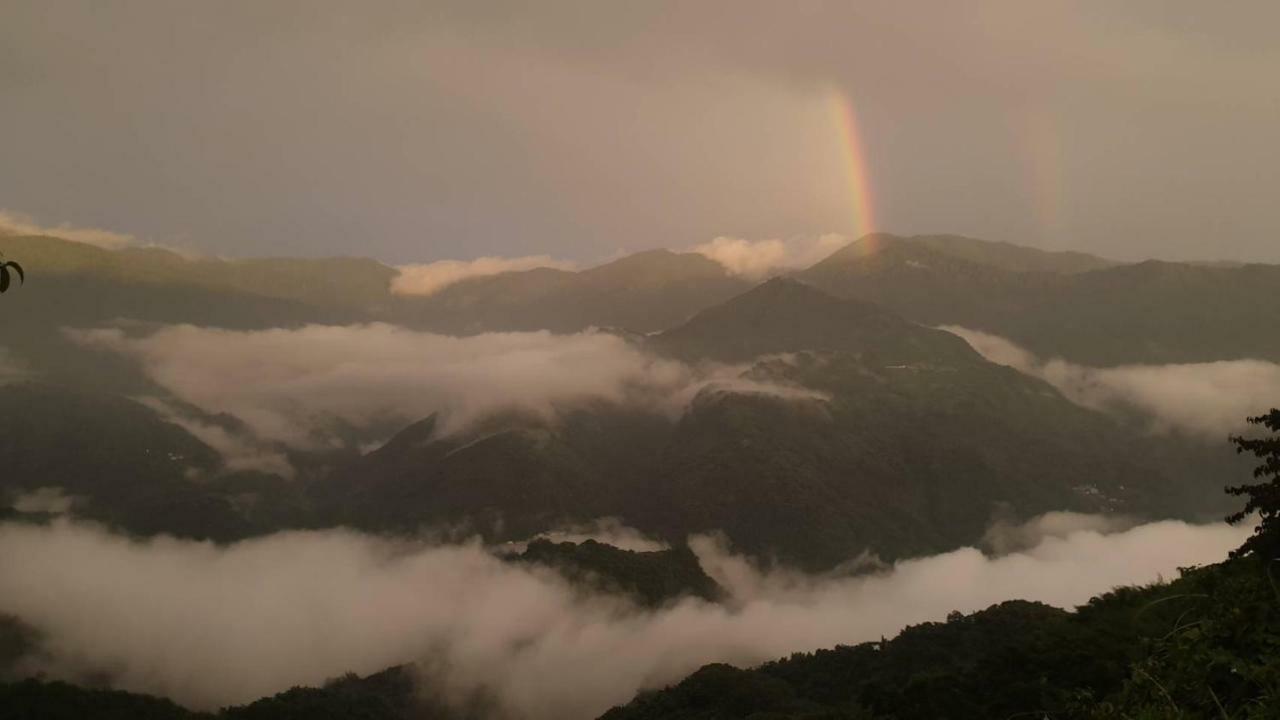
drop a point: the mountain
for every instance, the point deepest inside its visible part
(923, 282)
(391, 694)
(644, 292)
(1149, 312)
(1070, 305)
(914, 446)
(1199, 644)
(783, 315)
(90, 443)
(652, 578)
(114, 460)
(75, 285)
(845, 417)
(870, 432)
(1007, 256)
(355, 283)
(508, 478)
(1157, 312)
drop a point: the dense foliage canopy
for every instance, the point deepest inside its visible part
(1264, 497)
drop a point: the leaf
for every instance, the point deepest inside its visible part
(6, 279)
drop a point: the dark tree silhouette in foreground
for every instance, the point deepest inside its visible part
(1264, 496)
(7, 270)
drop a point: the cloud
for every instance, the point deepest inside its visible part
(238, 451)
(1004, 537)
(13, 223)
(300, 387)
(1204, 399)
(430, 278)
(759, 258)
(209, 625)
(609, 531)
(44, 500)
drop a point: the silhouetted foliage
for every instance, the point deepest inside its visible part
(1264, 497)
(8, 269)
(37, 700)
(1179, 650)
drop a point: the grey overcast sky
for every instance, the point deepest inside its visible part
(426, 130)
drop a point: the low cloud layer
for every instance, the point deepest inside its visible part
(609, 531)
(756, 259)
(1005, 537)
(430, 278)
(1203, 399)
(210, 625)
(14, 223)
(238, 450)
(53, 500)
(299, 387)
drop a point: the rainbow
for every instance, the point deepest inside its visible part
(1040, 138)
(855, 163)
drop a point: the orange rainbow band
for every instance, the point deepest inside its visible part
(855, 163)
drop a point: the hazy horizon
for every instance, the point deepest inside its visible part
(584, 131)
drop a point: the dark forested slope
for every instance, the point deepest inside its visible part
(1148, 312)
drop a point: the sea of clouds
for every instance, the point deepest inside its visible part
(210, 625)
(291, 387)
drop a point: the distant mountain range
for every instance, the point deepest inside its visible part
(1110, 314)
(855, 431)
(899, 440)
(1076, 306)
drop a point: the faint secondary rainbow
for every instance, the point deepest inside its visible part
(855, 163)
(1040, 140)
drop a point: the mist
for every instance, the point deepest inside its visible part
(209, 625)
(1207, 400)
(293, 386)
(756, 259)
(430, 278)
(607, 530)
(16, 223)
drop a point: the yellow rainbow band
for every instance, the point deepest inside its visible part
(855, 163)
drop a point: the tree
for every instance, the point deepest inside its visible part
(1264, 497)
(7, 270)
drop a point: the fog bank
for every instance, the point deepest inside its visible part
(210, 625)
(430, 278)
(300, 387)
(1204, 399)
(756, 259)
(15, 223)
